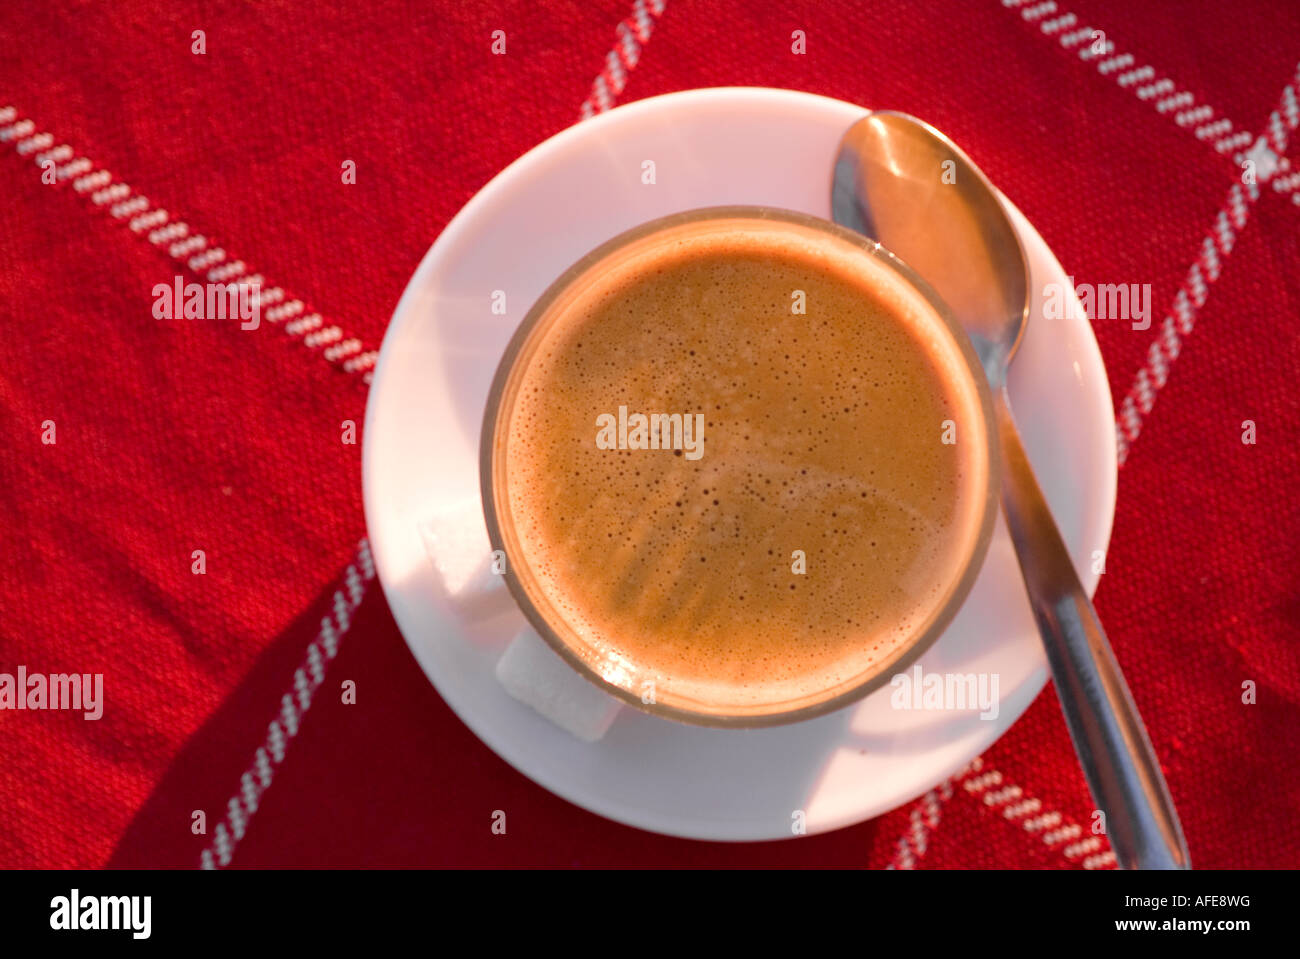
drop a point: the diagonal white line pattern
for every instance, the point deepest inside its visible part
(632, 34)
(1093, 45)
(1170, 99)
(1205, 269)
(193, 251)
(307, 679)
(1178, 323)
(1288, 185)
(1056, 831)
(924, 818)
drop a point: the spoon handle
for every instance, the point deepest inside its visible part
(1112, 744)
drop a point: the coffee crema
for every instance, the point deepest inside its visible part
(841, 486)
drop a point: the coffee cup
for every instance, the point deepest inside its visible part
(737, 466)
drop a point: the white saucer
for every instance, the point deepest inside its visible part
(553, 205)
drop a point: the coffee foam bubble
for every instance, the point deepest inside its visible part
(822, 435)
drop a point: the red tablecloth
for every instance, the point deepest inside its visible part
(176, 436)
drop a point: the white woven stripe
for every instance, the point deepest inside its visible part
(284, 311)
(344, 349)
(39, 142)
(980, 783)
(631, 35)
(1184, 314)
(1110, 61)
(223, 273)
(1057, 836)
(1091, 53)
(1054, 830)
(1039, 823)
(1001, 796)
(74, 169)
(146, 221)
(172, 231)
(600, 89)
(1190, 297)
(1155, 89)
(323, 337)
(307, 679)
(1169, 340)
(1057, 24)
(93, 181)
(1214, 130)
(924, 817)
(1290, 107)
(1076, 37)
(614, 67)
(118, 191)
(59, 154)
(628, 47)
(1178, 101)
(305, 325)
(1208, 266)
(186, 247)
(1137, 76)
(1288, 185)
(158, 226)
(18, 131)
(1188, 117)
(362, 361)
(1234, 142)
(1210, 257)
(1196, 285)
(1091, 844)
(206, 259)
(1109, 66)
(1287, 181)
(1021, 809)
(918, 827)
(127, 207)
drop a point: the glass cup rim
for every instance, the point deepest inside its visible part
(972, 561)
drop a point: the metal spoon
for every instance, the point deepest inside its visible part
(904, 184)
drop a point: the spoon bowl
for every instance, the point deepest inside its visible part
(951, 227)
